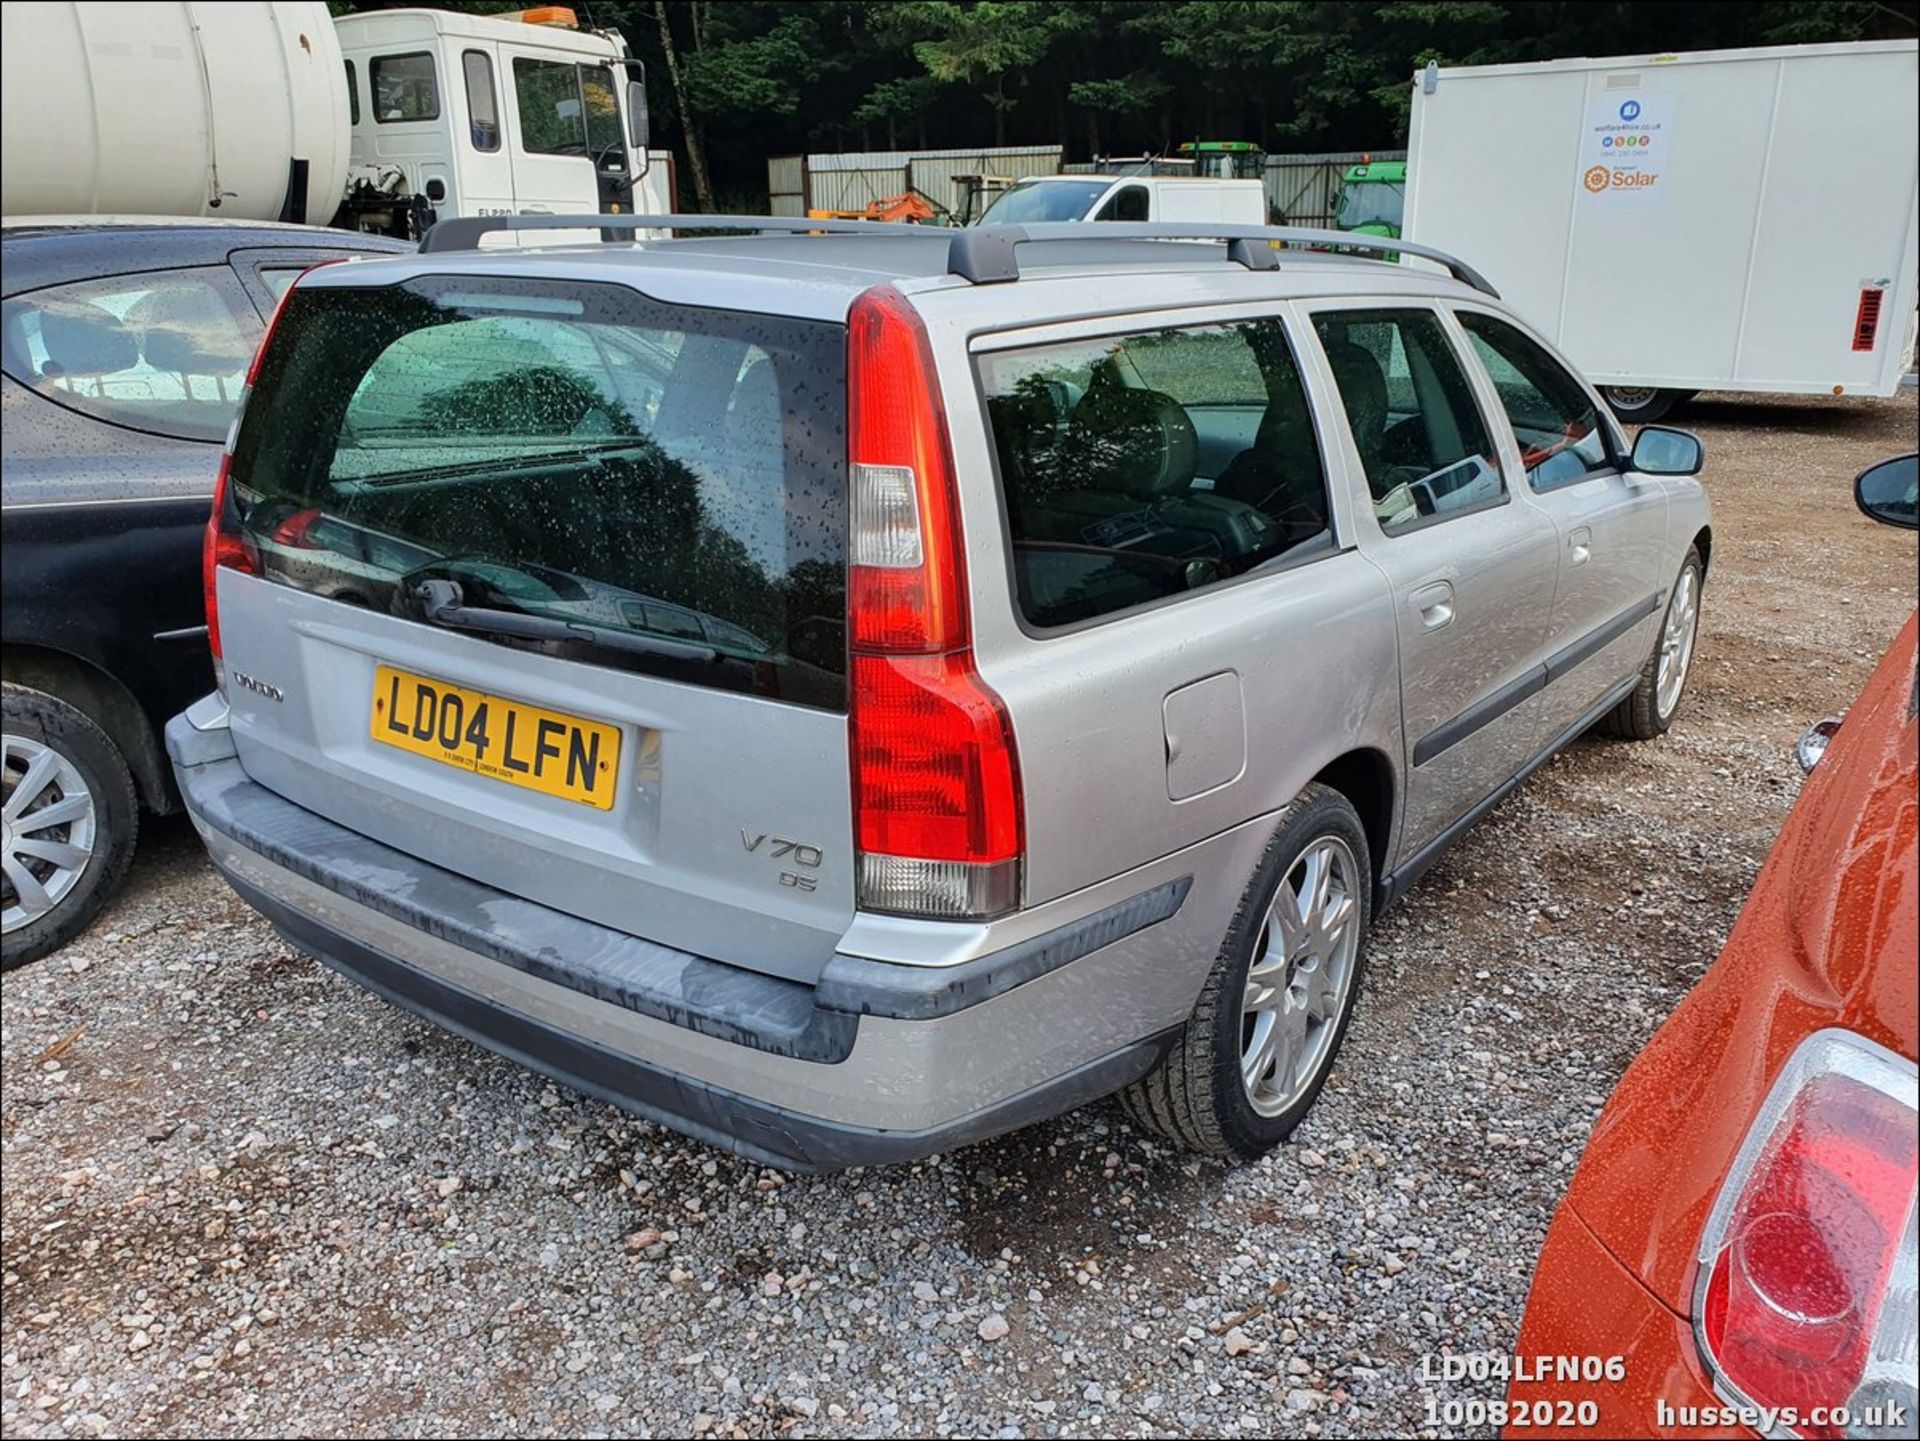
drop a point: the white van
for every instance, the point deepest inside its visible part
(1129, 197)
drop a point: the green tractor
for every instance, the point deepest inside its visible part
(1373, 196)
(1223, 159)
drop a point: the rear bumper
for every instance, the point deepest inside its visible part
(878, 1062)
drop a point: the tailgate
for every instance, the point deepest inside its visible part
(544, 583)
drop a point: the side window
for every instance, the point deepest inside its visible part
(601, 112)
(1129, 204)
(547, 95)
(1110, 500)
(1421, 439)
(165, 352)
(483, 108)
(404, 88)
(279, 279)
(1557, 427)
(353, 95)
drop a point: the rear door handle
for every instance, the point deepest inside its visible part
(1580, 545)
(1434, 605)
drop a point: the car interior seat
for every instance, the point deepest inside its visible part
(1363, 391)
(84, 341)
(189, 332)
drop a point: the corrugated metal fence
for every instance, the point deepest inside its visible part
(1303, 189)
(799, 183)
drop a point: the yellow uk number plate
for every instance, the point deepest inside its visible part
(542, 750)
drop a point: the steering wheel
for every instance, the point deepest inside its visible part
(599, 158)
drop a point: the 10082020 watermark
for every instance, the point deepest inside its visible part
(1509, 1415)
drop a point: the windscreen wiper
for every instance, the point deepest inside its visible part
(441, 604)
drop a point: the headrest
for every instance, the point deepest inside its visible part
(188, 332)
(1026, 428)
(83, 339)
(1363, 386)
(1136, 441)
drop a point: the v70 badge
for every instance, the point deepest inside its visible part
(799, 852)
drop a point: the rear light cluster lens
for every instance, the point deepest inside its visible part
(224, 547)
(1807, 1266)
(1866, 319)
(935, 779)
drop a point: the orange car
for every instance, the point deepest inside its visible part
(1740, 1231)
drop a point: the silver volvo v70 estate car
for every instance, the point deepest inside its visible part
(846, 694)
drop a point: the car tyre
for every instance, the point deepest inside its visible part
(1650, 709)
(1642, 404)
(59, 874)
(1200, 1095)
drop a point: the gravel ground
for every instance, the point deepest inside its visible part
(242, 1195)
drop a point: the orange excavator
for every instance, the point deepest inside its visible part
(910, 206)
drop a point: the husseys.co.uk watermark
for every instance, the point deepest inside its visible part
(1890, 1418)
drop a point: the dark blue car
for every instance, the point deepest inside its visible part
(126, 345)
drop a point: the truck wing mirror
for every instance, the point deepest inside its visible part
(638, 126)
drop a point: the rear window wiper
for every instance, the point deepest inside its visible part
(441, 604)
(528, 460)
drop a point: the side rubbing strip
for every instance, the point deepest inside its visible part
(1489, 709)
(1594, 641)
(1483, 712)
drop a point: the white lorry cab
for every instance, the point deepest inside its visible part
(1129, 197)
(524, 113)
(276, 111)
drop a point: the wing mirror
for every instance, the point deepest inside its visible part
(1890, 491)
(1662, 450)
(639, 123)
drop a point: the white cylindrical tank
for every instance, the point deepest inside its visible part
(164, 108)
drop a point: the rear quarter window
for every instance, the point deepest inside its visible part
(1136, 468)
(570, 451)
(163, 351)
(404, 88)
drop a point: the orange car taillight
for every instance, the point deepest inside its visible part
(1806, 1293)
(936, 792)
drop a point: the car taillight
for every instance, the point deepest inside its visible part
(223, 544)
(1806, 1294)
(936, 786)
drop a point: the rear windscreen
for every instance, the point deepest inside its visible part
(669, 483)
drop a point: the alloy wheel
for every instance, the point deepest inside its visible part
(1676, 641)
(1301, 976)
(47, 827)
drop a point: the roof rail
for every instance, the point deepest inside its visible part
(984, 254)
(981, 254)
(464, 232)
